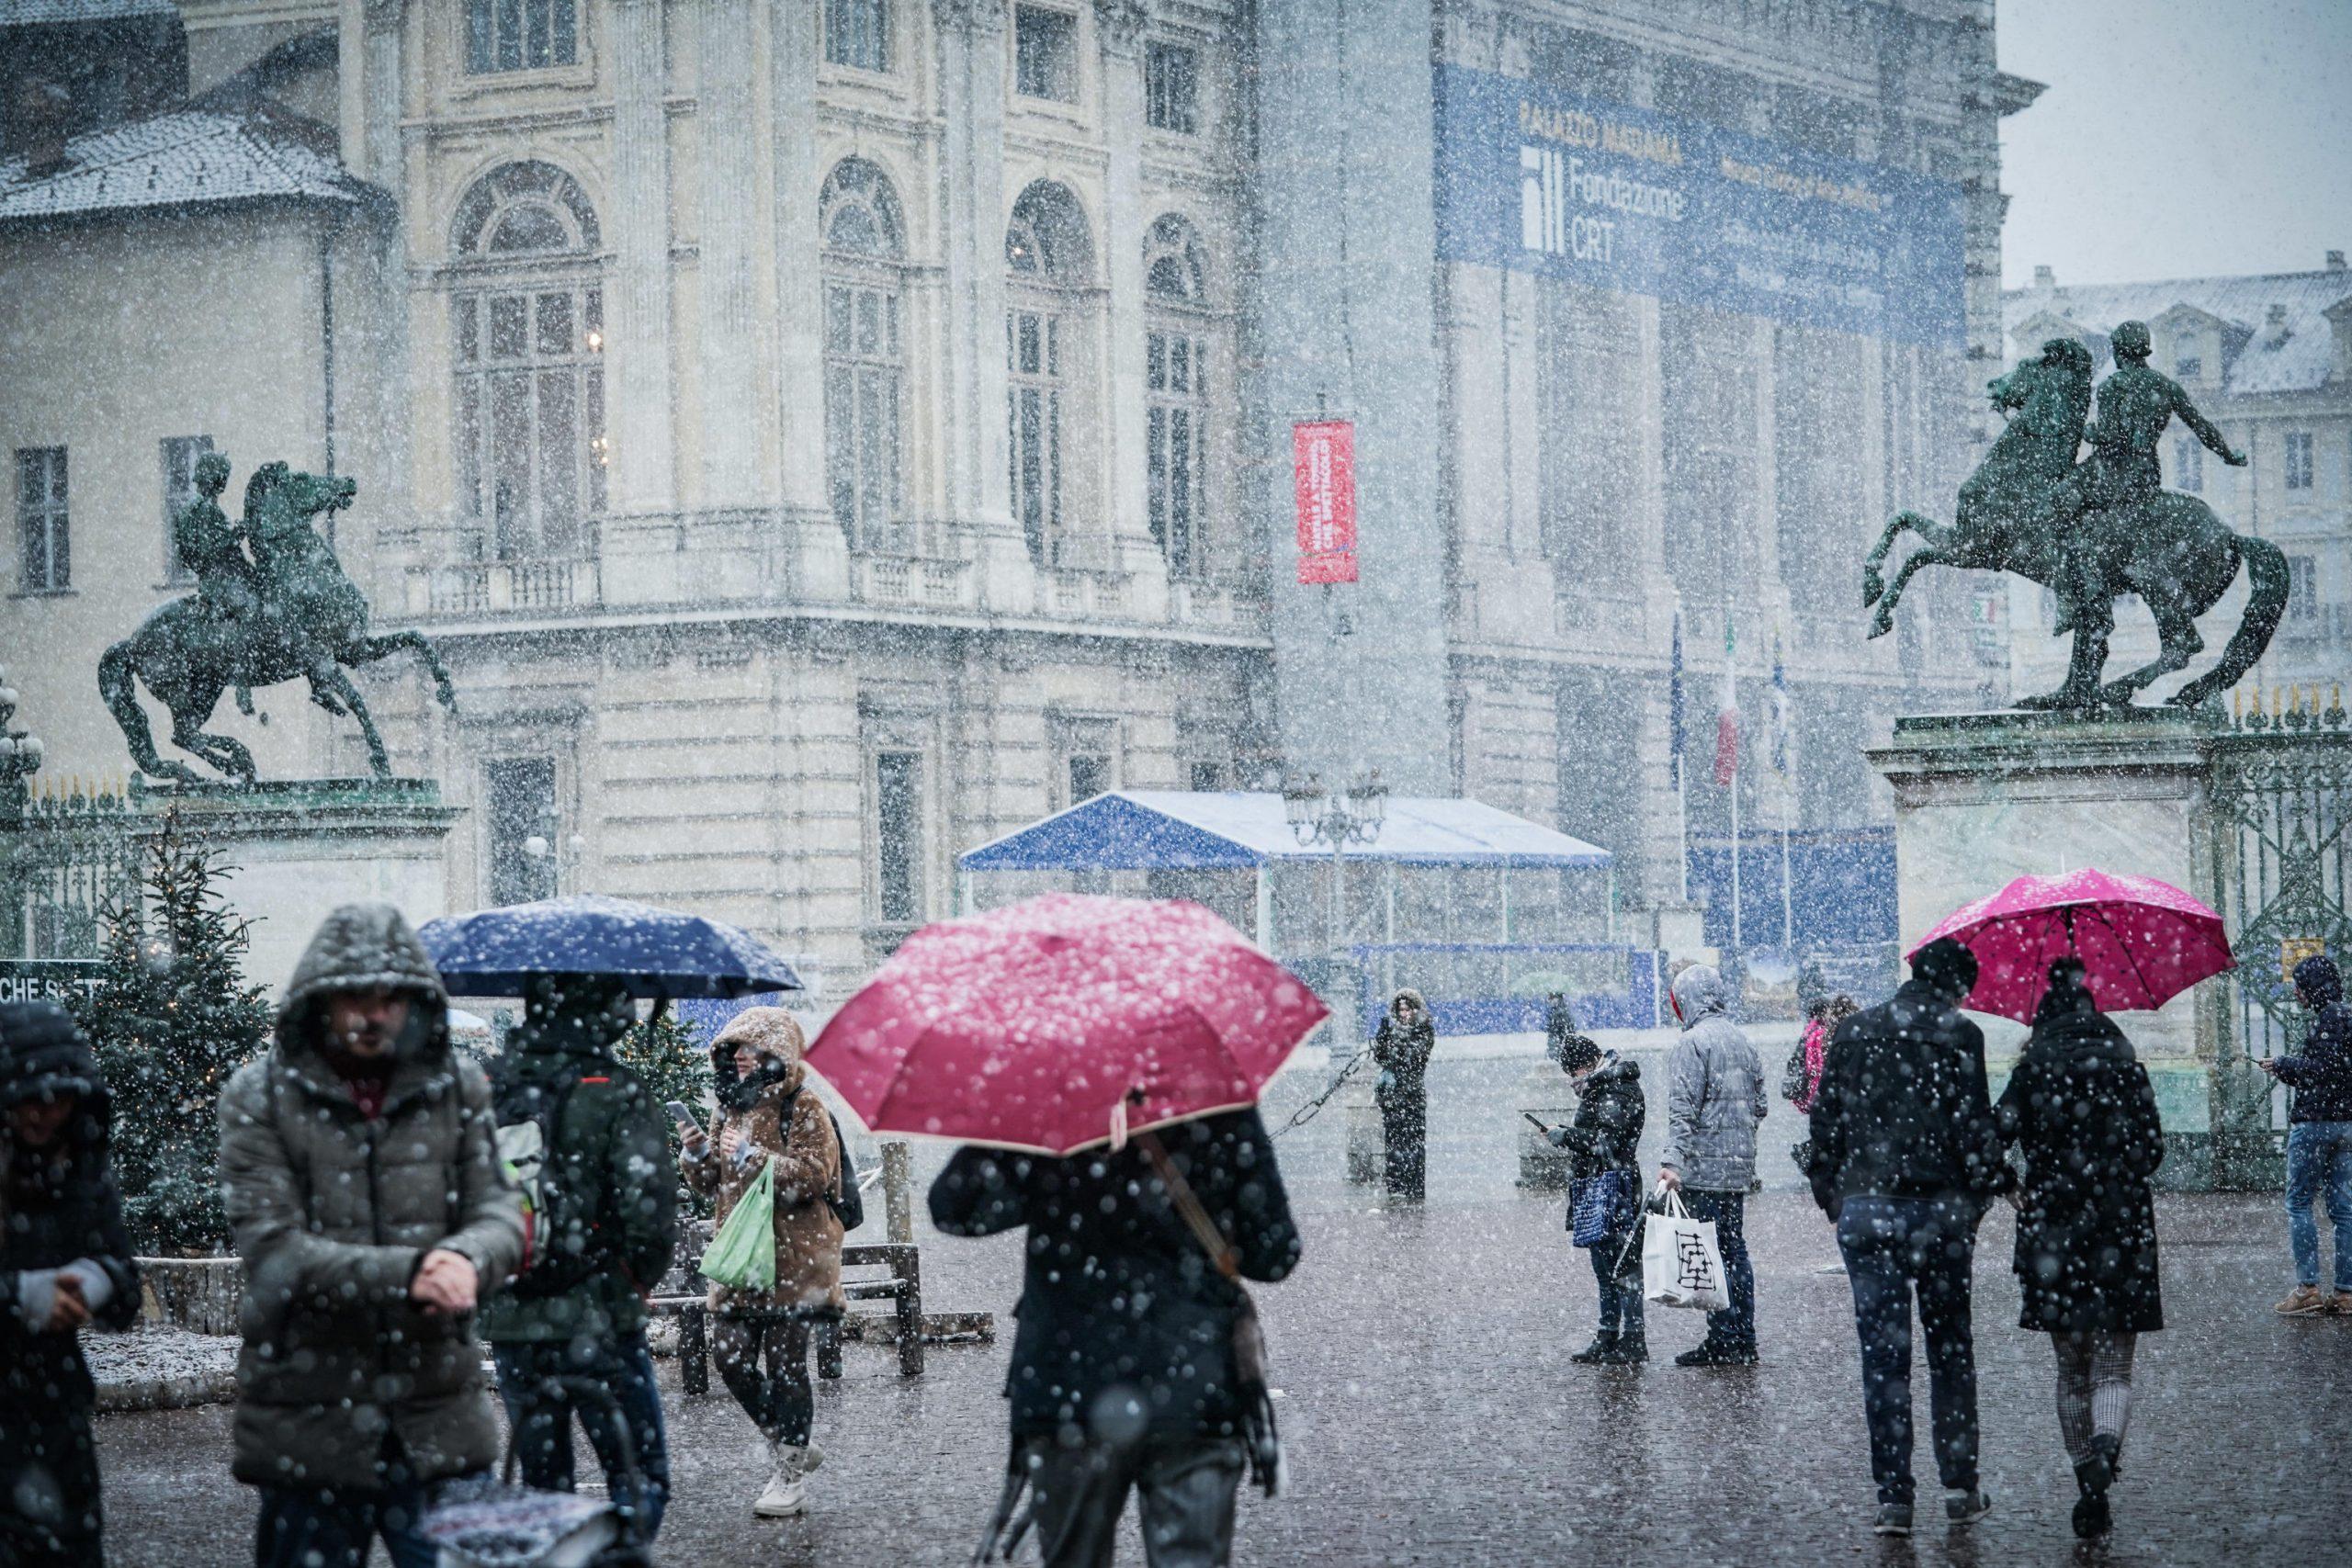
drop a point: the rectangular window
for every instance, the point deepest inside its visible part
(2299, 459)
(1175, 435)
(1089, 777)
(2188, 367)
(1044, 53)
(1207, 777)
(45, 540)
(530, 418)
(1171, 88)
(521, 796)
(2302, 588)
(1034, 425)
(520, 35)
(862, 391)
(898, 839)
(2189, 466)
(857, 33)
(180, 453)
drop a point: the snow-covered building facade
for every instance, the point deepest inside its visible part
(2269, 360)
(823, 435)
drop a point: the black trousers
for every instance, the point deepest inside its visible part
(1621, 1292)
(764, 1363)
(49, 1487)
(1184, 1490)
(1404, 1135)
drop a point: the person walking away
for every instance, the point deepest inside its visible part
(769, 1117)
(591, 1149)
(64, 1263)
(1559, 1027)
(1602, 1143)
(1800, 1077)
(2319, 1137)
(1904, 1157)
(1124, 1375)
(1401, 1049)
(359, 1170)
(2080, 1108)
(1715, 1101)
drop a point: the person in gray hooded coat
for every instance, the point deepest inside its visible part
(1714, 1103)
(359, 1168)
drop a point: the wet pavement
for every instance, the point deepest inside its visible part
(1433, 1417)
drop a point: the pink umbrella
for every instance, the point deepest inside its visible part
(1063, 1022)
(2142, 941)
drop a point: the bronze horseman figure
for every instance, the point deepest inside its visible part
(2095, 532)
(271, 604)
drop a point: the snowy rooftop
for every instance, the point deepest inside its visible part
(2261, 359)
(177, 159)
(34, 13)
(1178, 829)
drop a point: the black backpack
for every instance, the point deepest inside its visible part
(847, 1202)
(560, 1219)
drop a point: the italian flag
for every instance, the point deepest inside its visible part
(1727, 717)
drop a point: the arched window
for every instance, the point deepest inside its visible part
(527, 322)
(864, 240)
(1176, 381)
(1049, 257)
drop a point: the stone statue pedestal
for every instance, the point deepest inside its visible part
(300, 847)
(1981, 798)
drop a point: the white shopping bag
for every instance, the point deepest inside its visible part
(1681, 1266)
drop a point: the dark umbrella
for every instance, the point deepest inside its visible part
(655, 953)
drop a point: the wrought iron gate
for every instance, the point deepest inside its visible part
(64, 860)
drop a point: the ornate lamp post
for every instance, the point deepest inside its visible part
(1318, 815)
(20, 753)
(560, 856)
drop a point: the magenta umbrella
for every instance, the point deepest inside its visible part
(1064, 1021)
(2142, 941)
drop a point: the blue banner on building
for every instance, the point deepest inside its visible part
(1628, 199)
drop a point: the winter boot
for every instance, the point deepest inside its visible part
(1605, 1341)
(2094, 1476)
(786, 1493)
(1630, 1349)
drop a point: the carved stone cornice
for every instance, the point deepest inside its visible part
(1119, 24)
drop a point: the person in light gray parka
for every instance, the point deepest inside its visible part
(359, 1169)
(1714, 1103)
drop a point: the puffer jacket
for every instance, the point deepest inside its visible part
(2321, 1073)
(785, 1125)
(334, 1213)
(1714, 1088)
(1608, 1125)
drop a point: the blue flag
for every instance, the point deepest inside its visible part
(1674, 703)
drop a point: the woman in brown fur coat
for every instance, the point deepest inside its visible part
(760, 1338)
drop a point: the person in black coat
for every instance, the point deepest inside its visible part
(64, 1262)
(1401, 1048)
(1602, 1141)
(2080, 1108)
(1123, 1374)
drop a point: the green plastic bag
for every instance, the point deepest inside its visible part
(743, 1255)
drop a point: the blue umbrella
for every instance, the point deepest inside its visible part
(657, 952)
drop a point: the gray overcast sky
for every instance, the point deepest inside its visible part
(2178, 138)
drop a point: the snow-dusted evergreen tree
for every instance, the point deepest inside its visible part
(673, 1065)
(171, 1018)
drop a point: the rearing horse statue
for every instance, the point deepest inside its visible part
(294, 615)
(2168, 549)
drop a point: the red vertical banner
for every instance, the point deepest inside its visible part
(1323, 455)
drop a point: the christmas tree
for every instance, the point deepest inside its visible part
(171, 1017)
(664, 1053)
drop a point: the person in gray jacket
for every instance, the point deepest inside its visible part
(1715, 1101)
(359, 1168)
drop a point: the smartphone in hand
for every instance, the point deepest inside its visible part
(1541, 1126)
(683, 1116)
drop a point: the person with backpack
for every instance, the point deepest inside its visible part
(65, 1264)
(1801, 1074)
(769, 1118)
(582, 1137)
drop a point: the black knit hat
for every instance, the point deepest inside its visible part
(1577, 1053)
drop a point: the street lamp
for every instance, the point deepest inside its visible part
(1317, 816)
(21, 752)
(560, 856)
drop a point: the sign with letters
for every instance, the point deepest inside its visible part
(1587, 191)
(46, 979)
(1323, 455)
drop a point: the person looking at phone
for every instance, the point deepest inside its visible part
(584, 1139)
(1600, 1142)
(2319, 1139)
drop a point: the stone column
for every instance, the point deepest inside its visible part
(727, 358)
(819, 553)
(637, 395)
(1118, 26)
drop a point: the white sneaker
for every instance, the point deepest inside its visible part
(786, 1494)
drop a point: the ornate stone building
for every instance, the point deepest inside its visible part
(825, 434)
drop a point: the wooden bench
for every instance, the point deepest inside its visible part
(900, 1283)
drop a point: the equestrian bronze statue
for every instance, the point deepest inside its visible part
(271, 605)
(2094, 532)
